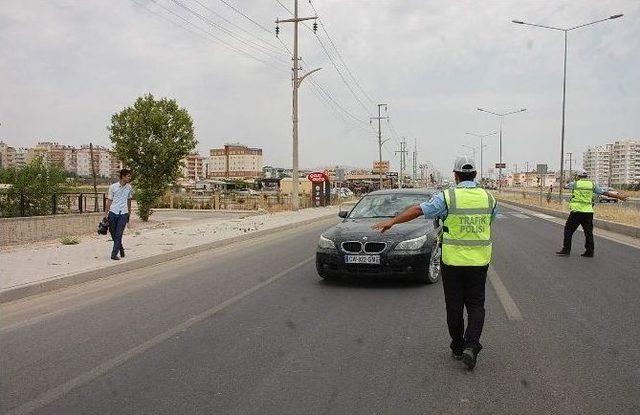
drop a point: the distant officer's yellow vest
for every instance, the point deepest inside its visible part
(582, 196)
(466, 237)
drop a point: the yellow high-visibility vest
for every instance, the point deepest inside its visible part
(582, 196)
(466, 237)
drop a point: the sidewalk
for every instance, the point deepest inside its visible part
(25, 267)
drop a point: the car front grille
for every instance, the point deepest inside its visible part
(352, 246)
(374, 247)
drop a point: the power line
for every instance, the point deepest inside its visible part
(247, 17)
(324, 29)
(248, 43)
(204, 6)
(324, 48)
(209, 36)
(284, 7)
(337, 104)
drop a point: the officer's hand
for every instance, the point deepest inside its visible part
(383, 226)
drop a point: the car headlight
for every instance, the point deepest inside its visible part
(326, 243)
(412, 244)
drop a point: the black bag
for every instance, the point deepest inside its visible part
(103, 227)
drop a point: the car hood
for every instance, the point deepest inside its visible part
(356, 229)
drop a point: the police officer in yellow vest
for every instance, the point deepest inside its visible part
(468, 212)
(581, 206)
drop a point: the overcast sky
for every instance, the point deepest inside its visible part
(67, 66)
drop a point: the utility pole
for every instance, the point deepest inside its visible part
(297, 80)
(380, 142)
(403, 151)
(415, 161)
(93, 174)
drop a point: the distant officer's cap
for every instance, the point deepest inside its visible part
(464, 164)
(582, 174)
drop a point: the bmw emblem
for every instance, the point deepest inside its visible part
(364, 238)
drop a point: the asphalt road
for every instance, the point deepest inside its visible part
(251, 329)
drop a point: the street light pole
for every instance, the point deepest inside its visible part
(482, 146)
(473, 149)
(501, 115)
(564, 80)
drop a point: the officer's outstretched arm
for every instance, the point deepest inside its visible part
(409, 214)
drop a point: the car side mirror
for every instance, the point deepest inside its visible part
(343, 214)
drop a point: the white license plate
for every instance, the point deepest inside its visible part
(362, 259)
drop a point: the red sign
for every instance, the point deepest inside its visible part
(317, 177)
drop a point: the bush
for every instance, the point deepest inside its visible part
(32, 189)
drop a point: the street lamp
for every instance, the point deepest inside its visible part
(482, 145)
(501, 115)
(473, 149)
(564, 78)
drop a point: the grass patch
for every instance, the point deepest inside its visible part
(69, 240)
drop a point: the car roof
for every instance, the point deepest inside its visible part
(408, 191)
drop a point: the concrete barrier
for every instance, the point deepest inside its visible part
(40, 228)
(607, 225)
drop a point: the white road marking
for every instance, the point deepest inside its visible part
(520, 215)
(501, 215)
(56, 393)
(510, 307)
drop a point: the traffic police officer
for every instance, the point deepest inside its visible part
(468, 212)
(581, 212)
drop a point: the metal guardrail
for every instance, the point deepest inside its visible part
(23, 205)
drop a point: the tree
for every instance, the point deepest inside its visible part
(32, 189)
(152, 137)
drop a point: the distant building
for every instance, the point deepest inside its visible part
(613, 164)
(235, 161)
(103, 162)
(193, 168)
(7, 155)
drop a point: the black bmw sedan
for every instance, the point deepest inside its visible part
(409, 250)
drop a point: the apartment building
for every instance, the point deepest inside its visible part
(193, 168)
(613, 164)
(235, 161)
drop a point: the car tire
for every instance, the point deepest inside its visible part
(433, 273)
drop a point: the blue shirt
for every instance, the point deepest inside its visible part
(119, 196)
(596, 189)
(436, 208)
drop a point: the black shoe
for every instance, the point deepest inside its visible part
(115, 257)
(121, 252)
(469, 358)
(456, 354)
(587, 254)
(563, 252)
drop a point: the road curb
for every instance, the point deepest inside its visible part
(606, 225)
(56, 283)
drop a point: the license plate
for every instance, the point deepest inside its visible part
(362, 259)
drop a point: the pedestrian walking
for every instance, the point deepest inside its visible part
(581, 213)
(118, 209)
(467, 212)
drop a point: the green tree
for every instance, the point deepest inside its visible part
(32, 189)
(152, 137)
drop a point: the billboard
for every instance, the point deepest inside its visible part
(380, 166)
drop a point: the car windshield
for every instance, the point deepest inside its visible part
(385, 205)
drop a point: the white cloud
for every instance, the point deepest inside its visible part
(72, 64)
